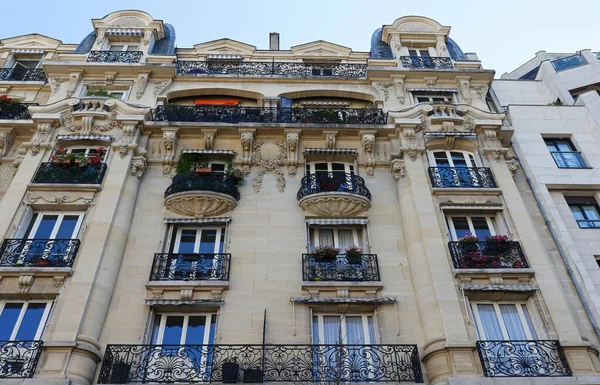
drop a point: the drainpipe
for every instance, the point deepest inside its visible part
(574, 277)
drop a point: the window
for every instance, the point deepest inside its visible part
(457, 169)
(23, 321)
(199, 240)
(124, 47)
(418, 52)
(120, 93)
(48, 225)
(196, 253)
(88, 151)
(329, 167)
(341, 237)
(433, 97)
(503, 321)
(564, 153)
(330, 176)
(585, 211)
(479, 225)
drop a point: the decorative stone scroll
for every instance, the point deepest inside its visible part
(138, 166)
(330, 137)
(398, 169)
(269, 156)
(292, 140)
(142, 83)
(246, 139)
(368, 142)
(170, 144)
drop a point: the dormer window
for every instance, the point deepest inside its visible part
(419, 52)
(124, 47)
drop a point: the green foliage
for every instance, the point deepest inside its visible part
(557, 102)
(98, 92)
(188, 161)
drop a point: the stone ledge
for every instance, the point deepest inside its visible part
(343, 284)
(63, 187)
(176, 285)
(487, 272)
(466, 191)
(36, 271)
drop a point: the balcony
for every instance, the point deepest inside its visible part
(53, 173)
(523, 359)
(38, 252)
(287, 69)
(127, 57)
(22, 75)
(334, 194)
(362, 268)
(14, 110)
(420, 62)
(18, 359)
(234, 115)
(484, 255)
(196, 194)
(260, 363)
(190, 267)
(462, 177)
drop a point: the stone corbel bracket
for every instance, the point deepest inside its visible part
(139, 165)
(74, 79)
(247, 141)
(330, 136)
(367, 138)
(398, 169)
(411, 145)
(43, 133)
(492, 145)
(292, 143)
(6, 140)
(400, 89)
(209, 138)
(141, 84)
(170, 148)
(464, 86)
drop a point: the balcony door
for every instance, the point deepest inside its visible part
(454, 168)
(197, 253)
(23, 320)
(330, 176)
(479, 225)
(181, 351)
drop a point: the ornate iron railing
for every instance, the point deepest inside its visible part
(192, 181)
(475, 177)
(38, 252)
(20, 74)
(568, 159)
(114, 57)
(291, 69)
(333, 182)
(444, 63)
(363, 267)
(483, 255)
(259, 363)
(523, 359)
(57, 173)
(190, 267)
(14, 110)
(225, 114)
(18, 359)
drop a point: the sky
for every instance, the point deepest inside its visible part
(504, 34)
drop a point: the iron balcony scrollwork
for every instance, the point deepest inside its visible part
(56, 173)
(290, 69)
(15, 110)
(192, 181)
(343, 268)
(127, 57)
(259, 363)
(427, 62)
(18, 359)
(523, 359)
(467, 177)
(190, 267)
(38, 252)
(21, 74)
(322, 182)
(482, 255)
(234, 115)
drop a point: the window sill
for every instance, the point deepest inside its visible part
(37, 271)
(361, 285)
(503, 272)
(63, 186)
(173, 284)
(466, 191)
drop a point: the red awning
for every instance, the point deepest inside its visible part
(217, 102)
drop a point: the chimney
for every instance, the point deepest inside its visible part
(274, 41)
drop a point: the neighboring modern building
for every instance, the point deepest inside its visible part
(377, 235)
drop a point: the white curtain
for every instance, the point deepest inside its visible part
(345, 239)
(529, 321)
(513, 323)
(332, 328)
(354, 331)
(326, 237)
(489, 322)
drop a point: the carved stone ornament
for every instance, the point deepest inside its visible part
(55, 84)
(209, 138)
(464, 86)
(398, 169)
(74, 79)
(17, 162)
(440, 44)
(335, 204)
(169, 142)
(60, 199)
(400, 90)
(160, 86)
(513, 166)
(481, 91)
(330, 139)
(138, 166)
(25, 282)
(492, 146)
(368, 142)
(411, 143)
(140, 87)
(383, 89)
(58, 282)
(89, 123)
(292, 140)
(6, 140)
(246, 139)
(200, 204)
(269, 156)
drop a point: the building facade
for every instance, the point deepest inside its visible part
(227, 214)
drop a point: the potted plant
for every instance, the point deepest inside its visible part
(60, 156)
(468, 243)
(326, 253)
(517, 265)
(230, 370)
(354, 255)
(477, 260)
(43, 262)
(497, 244)
(237, 175)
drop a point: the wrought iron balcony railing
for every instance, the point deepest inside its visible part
(177, 113)
(444, 63)
(483, 255)
(22, 75)
(341, 268)
(473, 177)
(192, 181)
(259, 363)
(62, 174)
(322, 182)
(568, 159)
(523, 359)
(38, 252)
(14, 110)
(114, 57)
(18, 359)
(290, 69)
(190, 267)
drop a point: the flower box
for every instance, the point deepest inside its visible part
(203, 170)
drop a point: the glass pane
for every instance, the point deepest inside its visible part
(8, 319)
(67, 227)
(46, 226)
(321, 167)
(187, 242)
(326, 237)
(591, 212)
(371, 325)
(338, 167)
(345, 239)
(315, 330)
(173, 330)
(551, 146)
(355, 334)
(156, 329)
(222, 242)
(132, 48)
(116, 48)
(423, 99)
(424, 53)
(563, 145)
(489, 322)
(332, 328)
(577, 212)
(208, 241)
(195, 330)
(441, 159)
(31, 321)
(458, 159)
(461, 226)
(529, 321)
(512, 322)
(412, 52)
(218, 168)
(481, 227)
(439, 99)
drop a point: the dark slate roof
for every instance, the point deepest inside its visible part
(379, 49)
(455, 52)
(166, 45)
(87, 43)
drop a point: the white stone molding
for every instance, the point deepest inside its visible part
(209, 138)
(186, 293)
(330, 137)
(170, 147)
(368, 143)
(60, 199)
(464, 86)
(200, 204)
(269, 156)
(109, 77)
(55, 84)
(4, 90)
(398, 169)
(292, 141)
(25, 282)
(430, 80)
(141, 84)
(440, 46)
(74, 78)
(481, 91)
(6, 140)
(410, 146)
(384, 89)
(400, 89)
(138, 166)
(160, 86)
(247, 139)
(334, 204)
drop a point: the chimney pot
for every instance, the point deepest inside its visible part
(274, 41)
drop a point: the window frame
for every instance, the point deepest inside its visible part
(554, 141)
(310, 168)
(365, 324)
(469, 157)
(491, 220)
(358, 236)
(591, 202)
(86, 150)
(538, 330)
(33, 225)
(126, 46)
(418, 52)
(221, 233)
(43, 321)
(163, 319)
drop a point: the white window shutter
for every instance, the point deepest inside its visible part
(376, 326)
(26, 219)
